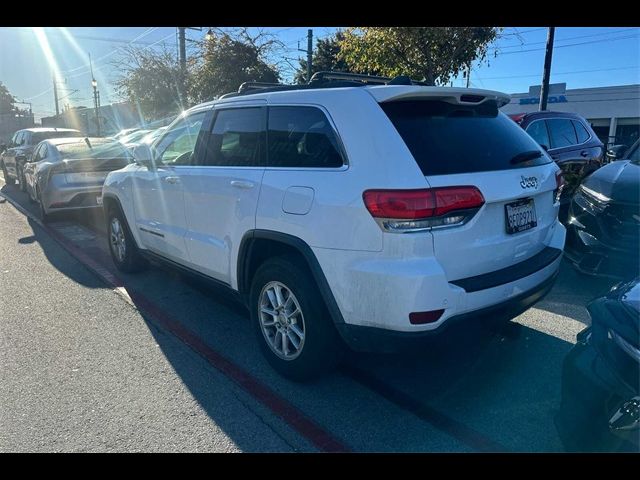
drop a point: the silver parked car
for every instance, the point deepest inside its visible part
(68, 173)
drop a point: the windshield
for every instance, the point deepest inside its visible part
(97, 150)
(447, 138)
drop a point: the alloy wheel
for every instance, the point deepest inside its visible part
(117, 240)
(281, 320)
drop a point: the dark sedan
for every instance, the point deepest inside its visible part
(603, 231)
(570, 141)
(600, 403)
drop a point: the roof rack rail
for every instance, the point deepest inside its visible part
(327, 75)
(324, 79)
(360, 77)
(257, 86)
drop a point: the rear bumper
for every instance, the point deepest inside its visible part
(371, 339)
(64, 197)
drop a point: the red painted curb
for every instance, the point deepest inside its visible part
(298, 421)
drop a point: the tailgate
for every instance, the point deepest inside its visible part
(487, 243)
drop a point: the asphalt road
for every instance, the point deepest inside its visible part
(81, 369)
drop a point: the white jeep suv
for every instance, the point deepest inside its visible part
(345, 212)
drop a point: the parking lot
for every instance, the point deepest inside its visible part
(167, 364)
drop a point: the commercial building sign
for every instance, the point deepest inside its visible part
(551, 99)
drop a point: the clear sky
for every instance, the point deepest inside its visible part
(583, 57)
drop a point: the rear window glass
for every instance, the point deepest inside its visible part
(445, 138)
(97, 150)
(37, 137)
(581, 132)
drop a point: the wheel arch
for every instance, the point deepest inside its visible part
(258, 245)
(110, 200)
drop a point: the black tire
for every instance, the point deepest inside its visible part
(22, 180)
(7, 179)
(44, 216)
(322, 348)
(132, 261)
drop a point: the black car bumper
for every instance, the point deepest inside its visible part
(592, 392)
(370, 339)
(593, 246)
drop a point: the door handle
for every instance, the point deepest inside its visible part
(584, 153)
(242, 184)
(171, 180)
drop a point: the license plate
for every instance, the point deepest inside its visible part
(520, 215)
(99, 200)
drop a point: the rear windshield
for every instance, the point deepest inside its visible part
(101, 150)
(445, 138)
(40, 136)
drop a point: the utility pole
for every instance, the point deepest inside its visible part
(182, 42)
(55, 94)
(309, 53)
(546, 74)
(96, 97)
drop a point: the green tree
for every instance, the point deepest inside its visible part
(226, 62)
(325, 58)
(431, 54)
(6, 100)
(150, 80)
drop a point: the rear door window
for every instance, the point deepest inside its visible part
(237, 138)
(445, 138)
(561, 132)
(538, 131)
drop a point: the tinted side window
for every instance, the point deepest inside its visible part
(581, 132)
(26, 138)
(177, 145)
(19, 138)
(562, 132)
(237, 138)
(538, 131)
(301, 137)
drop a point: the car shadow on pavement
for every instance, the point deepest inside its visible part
(572, 293)
(501, 381)
(59, 258)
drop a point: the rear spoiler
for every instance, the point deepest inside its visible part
(460, 96)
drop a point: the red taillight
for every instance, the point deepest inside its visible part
(417, 204)
(418, 318)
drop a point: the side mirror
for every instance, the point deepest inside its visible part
(616, 152)
(143, 155)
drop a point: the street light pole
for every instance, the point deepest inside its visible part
(96, 97)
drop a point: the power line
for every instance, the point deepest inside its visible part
(569, 38)
(573, 44)
(563, 73)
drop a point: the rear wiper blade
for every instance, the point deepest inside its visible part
(526, 156)
(86, 140)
